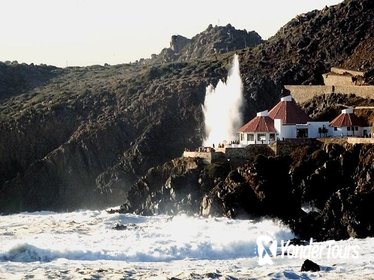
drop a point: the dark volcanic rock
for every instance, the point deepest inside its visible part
(308, 265)
(269, 179)
(170, 188)
(341, 189)
(184, 185)
(231, 198)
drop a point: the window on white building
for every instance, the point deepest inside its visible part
(261, 137)
(272, 137)
(250, 137)
(303, 132)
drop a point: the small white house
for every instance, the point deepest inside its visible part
(348, 124)
(289, 120)
(259, 130)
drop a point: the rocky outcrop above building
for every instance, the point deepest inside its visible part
(178, 42)
(312, 43)
(327, 107)
(362, 58)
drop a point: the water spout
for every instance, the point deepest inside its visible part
(222, 108)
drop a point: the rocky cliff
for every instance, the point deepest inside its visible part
(81, 136)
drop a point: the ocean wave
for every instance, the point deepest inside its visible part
(27, 253)
(205, 250)
(90, 236)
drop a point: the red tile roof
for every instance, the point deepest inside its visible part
(345, 119)
(259, 124)
(289, 113)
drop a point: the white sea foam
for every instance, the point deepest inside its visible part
(90, 236)
(84, 244)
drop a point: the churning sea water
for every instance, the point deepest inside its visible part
(98, 245)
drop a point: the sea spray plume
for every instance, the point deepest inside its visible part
(222, 107)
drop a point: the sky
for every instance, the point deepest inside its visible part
(88, 32)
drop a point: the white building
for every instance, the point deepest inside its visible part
(286, 120)
(348, 124)
(289, 120)
(259, 130)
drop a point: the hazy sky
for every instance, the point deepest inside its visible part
(86, 32)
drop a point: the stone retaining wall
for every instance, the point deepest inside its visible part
(358, 140)
(304, 93)
(232, 153)
(207, 157)
(249, 152)
(287, 146)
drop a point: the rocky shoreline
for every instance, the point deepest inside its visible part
(334, 181)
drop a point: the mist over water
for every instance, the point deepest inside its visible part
(222, 107)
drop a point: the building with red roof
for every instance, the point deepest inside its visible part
(348, 124)
(259, 130)
(288, 111)
(286, 120)
(291, 121)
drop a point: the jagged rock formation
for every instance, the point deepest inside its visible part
(80, 137)
(336, 180)
(169, 188)
(212, 41)
(178, 42)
